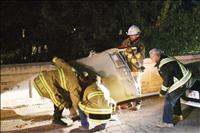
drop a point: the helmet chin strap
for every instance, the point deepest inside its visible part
(136, 40)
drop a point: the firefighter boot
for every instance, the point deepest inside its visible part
(80, 130)
(99, 128)
(57, 117)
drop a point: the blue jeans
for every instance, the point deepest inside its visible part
(172, 104)
(83, 118)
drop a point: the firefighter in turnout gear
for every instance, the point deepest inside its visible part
(176, 80)
(134, 54)
(97, 105)
(62, 87)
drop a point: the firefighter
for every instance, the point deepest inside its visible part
(97, 105)
(176, 80)
(62, 87)
(134, 53)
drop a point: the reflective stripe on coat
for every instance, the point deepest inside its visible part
(177, 83)
(94, 104)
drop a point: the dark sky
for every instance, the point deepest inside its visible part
(17, 15)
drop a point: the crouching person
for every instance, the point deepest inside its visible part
(97, 105)
(61, 86)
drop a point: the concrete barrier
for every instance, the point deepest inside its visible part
(16, 73)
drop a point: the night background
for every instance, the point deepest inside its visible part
(38, 31)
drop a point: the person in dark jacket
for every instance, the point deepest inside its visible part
(176, 80)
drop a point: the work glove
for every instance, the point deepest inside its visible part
(75, 118)
(54, 59)
(162, 93)
(142, 68)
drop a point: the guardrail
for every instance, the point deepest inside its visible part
(15, 73)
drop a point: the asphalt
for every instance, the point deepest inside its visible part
(38, 119)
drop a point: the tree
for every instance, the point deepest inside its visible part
(70, 29)
(179, 32)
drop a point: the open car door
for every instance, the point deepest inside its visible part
(112, 66)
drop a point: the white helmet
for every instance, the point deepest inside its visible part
(133, 30)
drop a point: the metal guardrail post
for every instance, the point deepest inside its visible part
(30, 88)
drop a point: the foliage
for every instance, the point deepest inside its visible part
(70, 29)
(179, 33)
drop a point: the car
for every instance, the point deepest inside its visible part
(192, 96)
(112, 65)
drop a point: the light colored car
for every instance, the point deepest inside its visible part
(114, 68)
(192, 96)
(111, 65)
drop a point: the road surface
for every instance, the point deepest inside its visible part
(38, 118)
